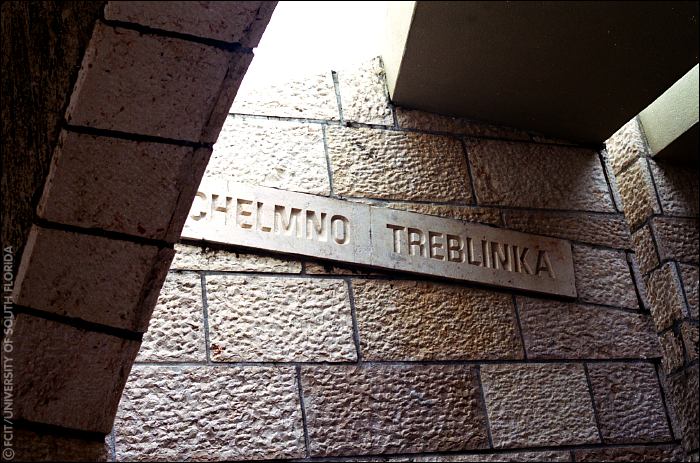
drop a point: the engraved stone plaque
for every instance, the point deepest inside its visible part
(343, 231)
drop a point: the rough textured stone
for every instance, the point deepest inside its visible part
(645, 249)
(276, 154)
(670, 453)
(639, 282)
(678, 187)
(279, 319)
(90, 277)
(118, 185)
(176, 330)
(603, 230)
(637, 193)
(560, 330)
(683, 392)
(629, 403)
(495, 457)
(128, 83)
(431, 122)
(604, 277)
(689, 332)
(209, 413)
(392, 409)
(665, 296)
(308, 97)
(363, 94)
(538, 405)
(189, 257)
(398, 320)
(671, 351)
(397, 165)
(45, 446)
(468, 214)
(690, 277)
(626, 145)
(328, 268)
(67, 376)
(233, 22)
(546, 177)
(677, 238)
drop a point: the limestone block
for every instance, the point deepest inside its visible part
(629, 403)
(399, 320)
(645, 249)
(45, 446)
(677, 238)
(665, 296)
(93, 278)
(603, 230)
(279, 319)
(307, 97)
(546, 177)
(637, 192)
(189, 257)
(604, 277)
(538, 405)
(560, 330)
(118, 185)
(233, 22)
(176, 330)
(276, 154)
(152, 85)
(363, 94)
(690, 277)
(683, 393)
(431, 122)
(689, 332)
(678, 187)
(666, 453)
(204, 413)
(626, 145)
(355, 410)
(66, 376)
(397, 165)
(485, 215)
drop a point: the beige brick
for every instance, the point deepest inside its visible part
(355, 410)
(603, 277)
(677, 238)
(176, 330)
(363, 94)
(308, 97)
(397, 165)
(233, 22)
(189, 257)
(119, 185)
(629, 403)
(279, 319)
(671, 351)
(209, 413)
(490, 216)
(43, 445)
(665, 296)
(538, 405)
(637, 193)
(560, 330)
(398, 320)
(421, 120)
(276, 154)
(690, 277)
(683, 394)
(678, 187)
(96, 279)
(603, 230)
(546, 177)
(689, 332)
(667, 453)
(645, 249)
(626, 145)
(66, 376)
(151, 85)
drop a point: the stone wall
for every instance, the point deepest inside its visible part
(660, 202)
(258, 356)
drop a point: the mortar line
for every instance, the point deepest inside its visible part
(470, 175)
(205, 315)
(638, 291)
(336, 87)
(129, 136)
(662, 392)
(482, 399)
(606, 174)
(520, 327)
(679, 274)
(595, 409)
(353, 314)
(307, 444)
(328, 161)
(101, 233)
(657, 196)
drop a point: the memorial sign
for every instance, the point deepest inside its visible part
(344, 231)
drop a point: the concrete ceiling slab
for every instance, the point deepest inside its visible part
(575, 70)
